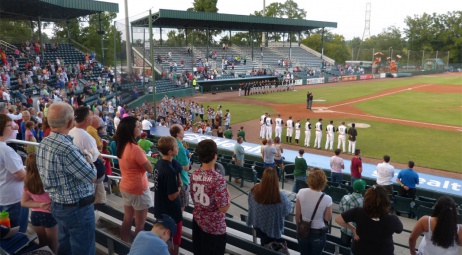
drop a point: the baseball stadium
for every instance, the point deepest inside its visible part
(157, 133)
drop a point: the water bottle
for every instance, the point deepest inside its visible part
(5, 219)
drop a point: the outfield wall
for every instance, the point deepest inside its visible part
(428, 182)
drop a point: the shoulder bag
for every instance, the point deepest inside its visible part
(304, 227)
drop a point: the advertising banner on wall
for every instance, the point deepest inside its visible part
(332, 79)
(349, 78)
(366, 76)
(315, 81)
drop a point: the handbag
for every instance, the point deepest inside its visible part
(304, 227)
(278, 246)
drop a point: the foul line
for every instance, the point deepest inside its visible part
(377, 96)
(401, 120)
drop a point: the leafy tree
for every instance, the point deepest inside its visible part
(19, 31)
(287, 10)
(89, 36)
(204, 6)
(334, 45)
(434, 32)
(199, 37)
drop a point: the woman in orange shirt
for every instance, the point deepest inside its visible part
(134, 184)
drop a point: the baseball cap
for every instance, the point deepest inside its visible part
(169, 223)
(6, 232)
(359, 186)
(144, 135)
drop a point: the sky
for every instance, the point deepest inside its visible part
(349, 15)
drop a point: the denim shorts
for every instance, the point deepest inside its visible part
(42, 219)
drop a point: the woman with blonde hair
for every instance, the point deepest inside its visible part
(374, 229)
(442, 234)
(316, 207)
(268, 206)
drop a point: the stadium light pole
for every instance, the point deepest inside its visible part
(263, 38)
(151, 58)
(127, 39)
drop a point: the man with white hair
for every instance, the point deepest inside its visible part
(67, 175)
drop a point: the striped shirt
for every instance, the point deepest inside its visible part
(350, 201)
(65, 173)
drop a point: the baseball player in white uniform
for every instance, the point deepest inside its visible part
(290, 129)
(317, 141)
(263, 125)
(307, 133)
(330, 130)
(341, 130)
(297, 131)
(278, 129)
(269, 127)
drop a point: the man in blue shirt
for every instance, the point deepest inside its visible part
(155, 241)
(407, 179)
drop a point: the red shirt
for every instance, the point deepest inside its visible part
(355, 165)
(209, 193)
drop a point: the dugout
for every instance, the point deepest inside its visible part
(222, 85)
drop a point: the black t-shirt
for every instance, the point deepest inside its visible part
(166, 183)
(375, 236)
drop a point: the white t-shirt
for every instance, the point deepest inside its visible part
(146, 125)
(308, 199)
(85, 141)
(385, 174)
(116, 122)
(336, 164)
(10, 187)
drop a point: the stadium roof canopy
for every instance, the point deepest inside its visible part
(203, 20)
(52, 10)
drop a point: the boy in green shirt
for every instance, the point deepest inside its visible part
(144, 143)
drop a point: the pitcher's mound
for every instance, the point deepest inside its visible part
(360, 125)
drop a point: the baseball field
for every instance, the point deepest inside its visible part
(415, 118)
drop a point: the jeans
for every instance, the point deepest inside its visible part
(336, 177)
(76, 229)
(265, 239)
(19, 216)
(301, 178)
(312, 245)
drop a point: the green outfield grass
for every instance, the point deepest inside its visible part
(240, 112)
(440, 108)
(340, 93)
(426, 147)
